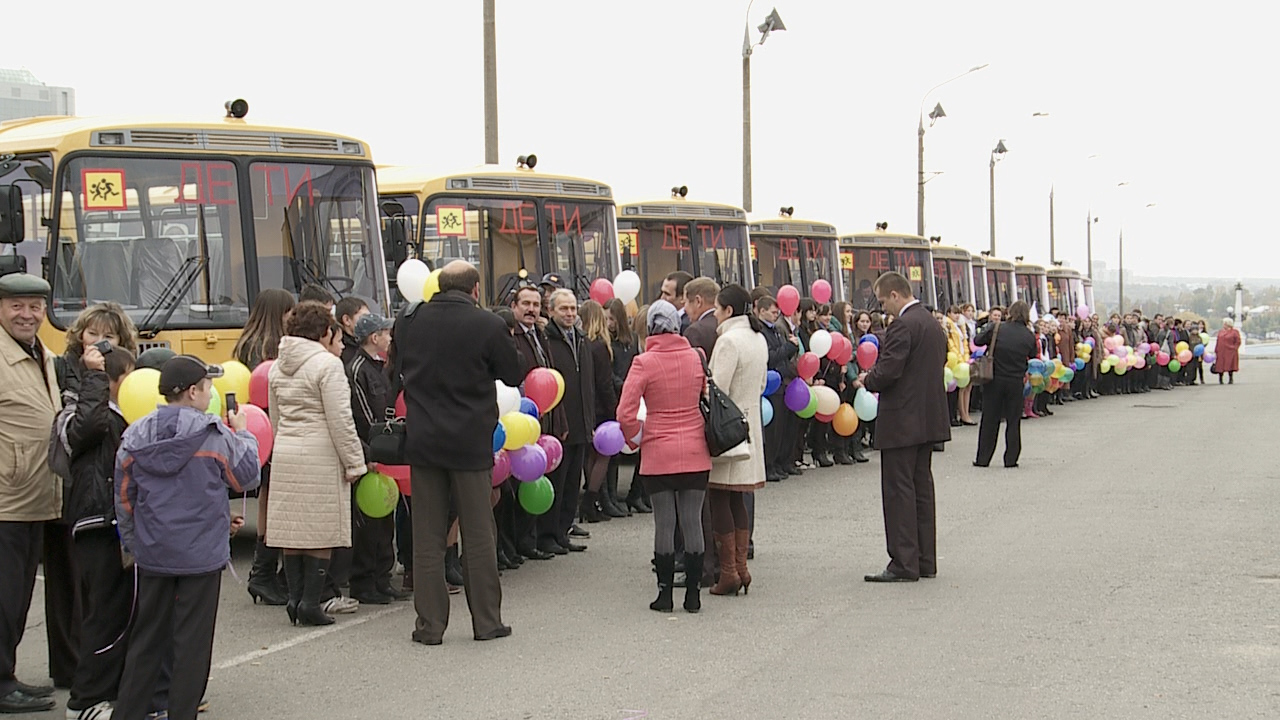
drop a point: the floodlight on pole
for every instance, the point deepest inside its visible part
(996, 152)
(771, 23)
(936, 114)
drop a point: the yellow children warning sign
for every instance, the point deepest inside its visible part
(629, 242)
(451, 220)
(846, 261)
(103, 189)
(914, 274)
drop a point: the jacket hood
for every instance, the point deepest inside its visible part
(295, 352)
(163, 443)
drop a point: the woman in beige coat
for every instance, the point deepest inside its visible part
(317, 455)
(739, 364)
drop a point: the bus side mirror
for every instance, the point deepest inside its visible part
(12, 222)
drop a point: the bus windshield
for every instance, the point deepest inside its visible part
(979, 287)
(950, 283)
(658, 248)
(1029, 291)
(1000, 288)
(868, 264)
(777, 262)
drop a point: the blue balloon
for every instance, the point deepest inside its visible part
(766, 410)
(1035, 366)
(499, 437)
(871, 339)
(1026, 390)
(1079, 364)
(1198, 351)
(772, 381)
(528, 407)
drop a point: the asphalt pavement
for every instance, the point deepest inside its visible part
(1130, 568)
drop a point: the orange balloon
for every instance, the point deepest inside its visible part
(845, 422)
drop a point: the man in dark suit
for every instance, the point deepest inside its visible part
(912, 417)
(700, 307)
(673, 292)
(451, 351)
(570, 356)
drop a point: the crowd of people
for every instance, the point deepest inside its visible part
(131, 520)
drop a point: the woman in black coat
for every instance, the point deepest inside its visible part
(623, 350)
(598, 343)
(1011, 344)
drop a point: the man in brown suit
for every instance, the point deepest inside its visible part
(700, 304)
(912, 417)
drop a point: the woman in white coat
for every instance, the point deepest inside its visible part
(317, 456)
(739, 364)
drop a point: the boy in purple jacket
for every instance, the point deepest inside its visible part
(172, 473)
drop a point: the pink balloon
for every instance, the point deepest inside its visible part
(821, 291)
(601, 291)
(259, 424)
(868, 353)
(501, 467)
(258, 383)
(788, 299)
(554, 450)
(399, 473)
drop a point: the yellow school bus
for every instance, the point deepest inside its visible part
(661, 236)
(865, 257)
(183, 223)
(1066, 289)
(503, 221)
(790, 251)
(1002, 288)
(1032, 285)
(952, 276)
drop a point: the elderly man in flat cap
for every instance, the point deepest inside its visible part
(30, 494)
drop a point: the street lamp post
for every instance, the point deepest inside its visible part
(771, 23)
(934, 116)
(490, 84)
(1088, 239)
(996, 152)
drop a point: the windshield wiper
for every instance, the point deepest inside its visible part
(171, 296)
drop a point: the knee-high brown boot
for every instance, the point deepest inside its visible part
(726, 549)
(742, 540)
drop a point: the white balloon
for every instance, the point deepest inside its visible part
(626, 286)
(411, 278)
(865, 405)
(820, 345)
(643, 412)
(508, 398)
(828, 400)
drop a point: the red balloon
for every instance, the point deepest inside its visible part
(601, 291)
(847, 353)
(838, 341)
(399, 473)
(258, 423)
(258, 383)
(867, 354)
(501, 467)
(824, 418)
(540, 386)
(788, 299)
(821, 291)
(807, 366)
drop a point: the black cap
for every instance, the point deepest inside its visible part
(183, 371)
(553, 280)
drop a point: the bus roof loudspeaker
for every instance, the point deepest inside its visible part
(682, 191)
(237, 108)
(527, 161)
(882, 226)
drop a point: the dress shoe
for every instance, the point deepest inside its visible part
(929, 576)
(968, 423)
(499, 632)
(858, 457)
(843, 458)
(394, 594)
(534, 553)
(794, 470)
(372, 597)
(578, 532)
(955, 423)
(1014, 465)
(886, 577)
(572, 547)
(939, 447)
(20, 702)
(34, 690)
(775, 476)
(822, 460)
(552, 547)
(978, 464)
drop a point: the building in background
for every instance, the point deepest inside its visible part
(22, 95)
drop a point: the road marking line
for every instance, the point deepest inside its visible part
(307, 637)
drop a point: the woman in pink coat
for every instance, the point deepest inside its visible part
(1228, 349)
(674, 462)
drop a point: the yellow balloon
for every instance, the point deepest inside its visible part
(559, 387)
(235, 379)
(517, 430)
(432, 286)
(139, 394)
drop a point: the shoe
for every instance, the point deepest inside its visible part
(504, 562)
(1047, 411)
(452, 567)
(203, 706)
(34, 690)
(939, 447)
(612, 505)
(534, 553)
(741, 543)
(665, 567)
(858, 457)
(314, 572)
(794, 470)
(726, 550)
(775, 475)
(929, 575)
(20, 702)
(572, 546)
(589, 508)
(500, 632)
(978, 464)
(1014, 465)
(609, 506)
(340, 605)
(371, 597)
(552, 547)
(842, 458)
(885, 577)
(955, 423)
(293, 571)
(751, 548)
(386, 589)
(968, 423)
(98, 711)
(262, 584)
(635, 500)
(158, 715)
(823, 460)
(692, 591)
(575, 531)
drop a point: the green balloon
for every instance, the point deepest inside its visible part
(215, 402)
(812, 408)
(377, 495)
(1174, 366)
(536, 497)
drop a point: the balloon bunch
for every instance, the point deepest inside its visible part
(1121, 358)
(1046, 376)
(416, 282)
(956, 373)
(1084, 351)
(625, 287)
(520, 450)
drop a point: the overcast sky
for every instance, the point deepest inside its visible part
(646, 95)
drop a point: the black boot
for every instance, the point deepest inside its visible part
(453, 567)
(665, 566)
(823, 459)
(636, 500)
(589, 508)
(609, 500)
(692, 600)
(314, 572)
(262, 576)
(293, 571)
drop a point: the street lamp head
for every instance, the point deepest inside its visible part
(976, 68)
(771, 23)
(936, 113)
(1040, 114)
(999, 149)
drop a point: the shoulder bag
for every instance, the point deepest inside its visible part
(983, 369)
(726, 426)
(387, 438)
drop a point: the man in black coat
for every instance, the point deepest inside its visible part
(700, 308)
(912, 417)
(535, 352)
(779, 434)
(451, 351)
(569, 355)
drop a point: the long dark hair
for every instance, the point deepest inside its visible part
(621, 325)
(737, 300)
(807, 304)
(260, 339)
(838, 313)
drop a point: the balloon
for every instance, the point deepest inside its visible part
(257, 422)
(961, 374)
(845, 423)
(865, 405)
(820, 292)
(536, 497)
(1210, 357)
(528, 463)
(807, 366)
(1068, 376)
(820, 343)
(766, 412)
(824, 418)
(1174, 366)
(810, 409)
(1182, 346)
(235, 379)
(508, 398)
(952, 359)
(1198, 351)
(871, 339)
(868, 353)
(772, 381)
(948, 376)
(1122, 351)
(1162, 358)
(553, 449)
(431, 286)
(540, 387)
(626, 286)
(1079, 363)
(788, 300)
(1104, 367)
(1140, 363)
(499, 436)
(828, 400)
(797, 396)
(1090, 342)
(555, 375)
(257, 383)
(1184, 357)
(952, 386)
(1027, 390)
(400, 473)
(846, 351)
(1204, 338)
(501, 467)
(608, 439)
(377, 495)
(517, 432)
(411, 279)
(215, 402)
(529, 407)
(1082, 311)
(838, 341)
(602, 291)
(139, 394)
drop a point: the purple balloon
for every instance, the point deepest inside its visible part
(528, 463)
(608, 440)
(797, 395)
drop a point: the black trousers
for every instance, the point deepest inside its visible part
(20, 545)
(176, 613)
(1002, 400)
(62, 603)
(906, 489)
(108, 604)
(554, 524)
(373, 554)
(778, 435)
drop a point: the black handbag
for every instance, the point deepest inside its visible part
(386, 441)
(726, 426)
(983, 369)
